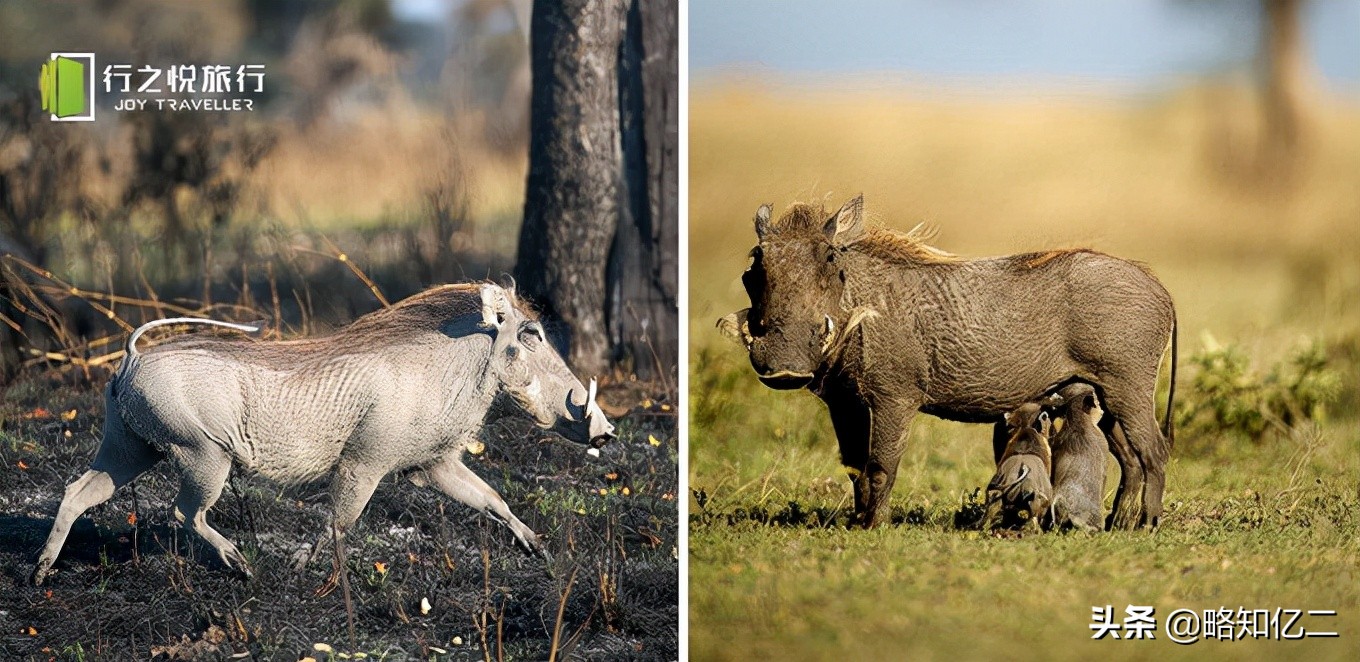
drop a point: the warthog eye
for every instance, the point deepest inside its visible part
(531, 335)
(753, 279)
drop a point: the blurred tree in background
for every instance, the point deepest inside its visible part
(1285, 90)
(1285, 86)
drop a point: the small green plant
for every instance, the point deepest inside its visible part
(1228, 395)
(74, 652)
(972, 508)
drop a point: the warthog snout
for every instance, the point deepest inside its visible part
(781, 365)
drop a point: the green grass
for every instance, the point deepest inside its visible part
(1265, 523)
(1255, 525)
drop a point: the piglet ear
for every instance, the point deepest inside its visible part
(846, 226)
(762, 221)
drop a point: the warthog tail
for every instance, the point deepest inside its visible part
(130, 348)
(1169, 424)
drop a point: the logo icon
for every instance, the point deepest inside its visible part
(67, 86)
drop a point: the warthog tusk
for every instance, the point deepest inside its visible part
(590, 399)
(736, 325)
(830, 333)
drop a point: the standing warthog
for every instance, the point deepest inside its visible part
(1078, 459)
(405, 387)
(1020, 491)
(880, 326)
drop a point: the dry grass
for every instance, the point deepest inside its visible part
(378, 166)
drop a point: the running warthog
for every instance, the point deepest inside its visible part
(880, 325)
(405, 387)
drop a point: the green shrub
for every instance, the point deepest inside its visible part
(1229, 396)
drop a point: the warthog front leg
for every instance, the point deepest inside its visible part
(850, 418)
(887, 440)
(871, 448)
(351, 489)
(453, 478)
(205, 474)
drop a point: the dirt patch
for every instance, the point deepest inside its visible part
(426, 574)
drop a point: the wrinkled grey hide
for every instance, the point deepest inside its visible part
(1019, 493)
(407, 387)
(1078, 460)
(880, 326)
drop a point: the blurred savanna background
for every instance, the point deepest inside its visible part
(390, 150)
(372, 131)
(1216, 142)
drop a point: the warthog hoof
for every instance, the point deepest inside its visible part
(1127, 517)
(41, 572)
(534, 546)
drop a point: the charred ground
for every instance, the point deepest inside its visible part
(129, 585)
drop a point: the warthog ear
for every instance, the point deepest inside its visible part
(763, 220)
(1041, 424)
(493, 315)
(508, 282)
(846, 226)
(1094, 410)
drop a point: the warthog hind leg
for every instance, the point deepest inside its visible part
(1139, 501)
(1128, 507)
(122, 457)
(453, 478)
(1000, 437)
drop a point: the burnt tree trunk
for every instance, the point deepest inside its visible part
(572, 199)
(598, 247)
(644, 268)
